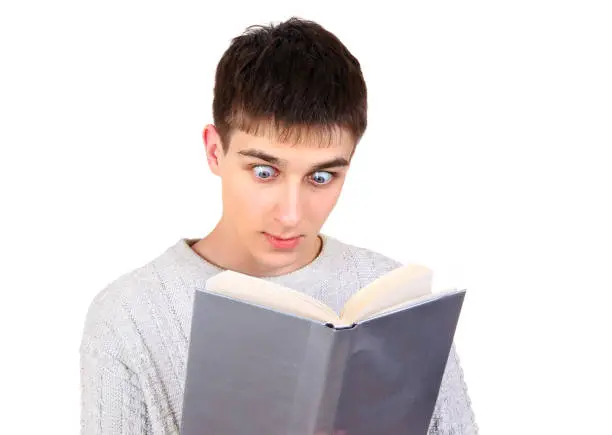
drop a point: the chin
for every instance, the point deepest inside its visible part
(274, 260)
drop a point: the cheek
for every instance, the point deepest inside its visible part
(322, 203)
(246, 198)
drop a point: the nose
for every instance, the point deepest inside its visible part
(288, 206)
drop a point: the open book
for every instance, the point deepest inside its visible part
(265, 359)
(400, 287)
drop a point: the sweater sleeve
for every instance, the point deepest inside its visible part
(453, 414)
(111, 400)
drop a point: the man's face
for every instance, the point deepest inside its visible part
(277, 196)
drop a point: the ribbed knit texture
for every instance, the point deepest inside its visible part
(135, 340)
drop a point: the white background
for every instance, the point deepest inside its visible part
(487, 158)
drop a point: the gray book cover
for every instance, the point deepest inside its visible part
(255, 371)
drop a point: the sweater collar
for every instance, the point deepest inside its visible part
(198, 269)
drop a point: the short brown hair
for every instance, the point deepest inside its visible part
(291, 78)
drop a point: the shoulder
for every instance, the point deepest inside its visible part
(123, 310)
(137, 306)
(112, 311)
(367, 263)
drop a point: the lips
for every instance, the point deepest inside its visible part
(283, 237)
(283, 242)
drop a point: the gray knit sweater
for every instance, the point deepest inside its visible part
(135, 339)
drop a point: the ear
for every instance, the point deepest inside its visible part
(214, 148)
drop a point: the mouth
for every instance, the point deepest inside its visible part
(283, 242)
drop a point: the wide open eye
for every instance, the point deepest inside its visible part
(264, 172)
(322, 177)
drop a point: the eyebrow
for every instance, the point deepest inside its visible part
(260, 155)
(333, 163)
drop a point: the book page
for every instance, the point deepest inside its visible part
(411, 302)
(389, 290)
(258, 291)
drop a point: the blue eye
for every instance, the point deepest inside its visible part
(263, 171)
(322, 177)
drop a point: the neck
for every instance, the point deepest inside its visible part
(224, 249)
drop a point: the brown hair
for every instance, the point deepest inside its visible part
(287, 79)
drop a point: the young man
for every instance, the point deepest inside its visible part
(289, 109)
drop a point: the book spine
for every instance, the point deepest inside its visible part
(333, 380)
(310, 383)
